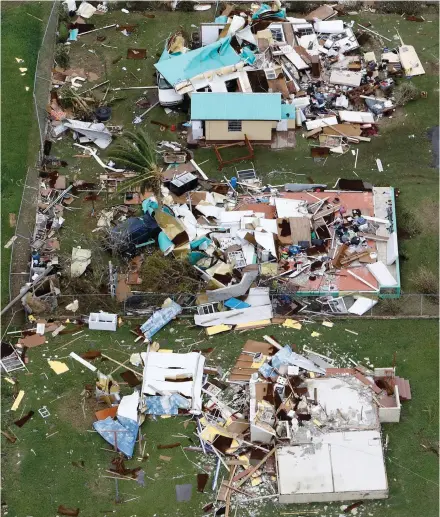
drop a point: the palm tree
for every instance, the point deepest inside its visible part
(138, 154)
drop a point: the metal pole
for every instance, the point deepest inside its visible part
(26, 290)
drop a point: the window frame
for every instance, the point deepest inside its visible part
(232, 129)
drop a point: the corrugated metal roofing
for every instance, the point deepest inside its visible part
(195, 62)
(236, 106)
(288, 112)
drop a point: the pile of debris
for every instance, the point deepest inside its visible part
(244, 239)
(258, 74)
(273, 423)
(300, 239)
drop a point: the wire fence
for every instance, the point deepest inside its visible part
(142, 305)
(43, 72)
(411, 305)
(20, 253)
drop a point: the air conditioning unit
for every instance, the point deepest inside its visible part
(270, 73)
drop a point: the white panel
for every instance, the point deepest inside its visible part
(304, 473)
(357, 116)
(290, 207)
(235, 316)
(357, 461)
(329, 27)
(381, 274)
(128, 407)
(296, 60)
(210, 32)
(392, 249)
(234, 216)
(361, 306)
(321, 122)
(410, 61)
(266, 240)
(346, 77)
(270, 225)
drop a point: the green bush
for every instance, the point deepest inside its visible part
(173, 275)
(304, 7)
(62, 58)
(185, 6)
(408, 224)
(405, 92)
(63, 33)
(389, 306)
(399, 7)
(63, 14)
(425, 281)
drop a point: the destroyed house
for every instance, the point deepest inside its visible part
(231, 116)
(373, 270)
(187, 71)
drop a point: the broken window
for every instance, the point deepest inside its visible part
(234, 125)
(277, 33)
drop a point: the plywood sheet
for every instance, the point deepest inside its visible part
(299, 229)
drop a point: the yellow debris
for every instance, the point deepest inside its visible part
(292, 324)
(58, 367)
(17, 400)
(256, 481)
(217, 329)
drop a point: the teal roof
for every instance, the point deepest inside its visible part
(236, 106)
(287, 112)
(195, 62)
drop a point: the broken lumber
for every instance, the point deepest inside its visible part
(256, 467)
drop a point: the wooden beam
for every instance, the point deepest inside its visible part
(122, 365)
(257, 466)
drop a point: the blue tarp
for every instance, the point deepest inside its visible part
(168, 405)
(159, 319)
(137, 229)
(125, 429)
(195, 62)
(248, 55)
(235, 303)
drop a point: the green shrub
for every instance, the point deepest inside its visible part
(389, 306)
(63, 33)
(186, 6)
(425, 281)
(62, 58)
(406, 92)
(399, 7)
(169, 274)
(408, 224)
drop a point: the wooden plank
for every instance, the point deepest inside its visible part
(279, 86)
(299, 229)
(316, 131)
(257, 466)
(288, 33)
(228, 495)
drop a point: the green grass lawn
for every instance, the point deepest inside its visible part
(21, 38)
(402, 143)
(38, 470)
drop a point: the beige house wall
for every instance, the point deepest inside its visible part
(290, 124)
(254, 129)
